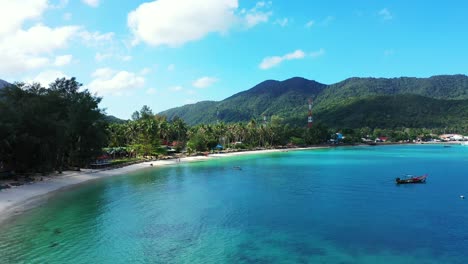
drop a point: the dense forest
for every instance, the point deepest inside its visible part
(49, 129)
(288, 100)
(61, 126)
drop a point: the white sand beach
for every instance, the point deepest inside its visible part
(16, 200)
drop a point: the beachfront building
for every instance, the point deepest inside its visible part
(452, 137)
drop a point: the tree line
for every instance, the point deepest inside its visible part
(61, 126)
(46, 129)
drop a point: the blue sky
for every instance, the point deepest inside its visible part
(168, 53)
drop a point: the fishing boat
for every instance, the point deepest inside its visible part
(412, 179)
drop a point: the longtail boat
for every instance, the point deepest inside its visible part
(412, 179)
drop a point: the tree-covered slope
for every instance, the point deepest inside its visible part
(267, 98)
(288, 99)
(201, 112)
(438, 87)
(3, 83)
(398, 111)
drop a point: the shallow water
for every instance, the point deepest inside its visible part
(317, 206)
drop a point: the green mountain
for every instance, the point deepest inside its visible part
(402, 110)
(113, 119)
(354, 102)
(4, 83)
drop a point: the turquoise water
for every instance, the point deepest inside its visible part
(318, 206)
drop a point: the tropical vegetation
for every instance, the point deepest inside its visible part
(61, 126)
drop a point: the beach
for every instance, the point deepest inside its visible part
(19, 199)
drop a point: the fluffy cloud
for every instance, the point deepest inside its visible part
(29, 49)
(91, 3)
(96, 38)
(63, 60)
(176, 22)
(385, 14)
(176, 88)
(15, 13)
(270, 62)
(100, 57)
(67, 16)
(257, 15)
(151, 91)
(273, 61)
(32, 47)
(328, 20)
(282, 22)
(317, 53)
(310, 24)
(109, 81)
(204, 82)
(47, 77)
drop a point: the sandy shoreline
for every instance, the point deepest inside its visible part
(16, 200)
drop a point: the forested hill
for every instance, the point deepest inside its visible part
(3, 83)
(354, 97)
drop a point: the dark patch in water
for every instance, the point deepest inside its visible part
(247, 259)
(53, 244)
(57, 231)
(247, 247)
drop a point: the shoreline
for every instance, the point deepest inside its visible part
(17, 200)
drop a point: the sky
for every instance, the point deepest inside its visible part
(169, 53)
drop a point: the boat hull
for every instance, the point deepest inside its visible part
(419, 179)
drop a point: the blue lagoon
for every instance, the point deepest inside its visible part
(338, 205)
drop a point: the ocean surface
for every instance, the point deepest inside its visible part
(337, 205)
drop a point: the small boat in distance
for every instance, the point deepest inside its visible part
(412, 179)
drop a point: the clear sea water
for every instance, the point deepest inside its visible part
(336, 205)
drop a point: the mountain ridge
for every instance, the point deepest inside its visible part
(4, 83)
(288, 98)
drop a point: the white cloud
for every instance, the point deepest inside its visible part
(15, 13)
(67, 16)
(145, 71)
(63, 60)
(282, 22)
(385, 14)
(310, 24)
(204, 82)
(328, 20)
(317, 53)
(109, 81)
(258, 14)
(100, 57)
(30, 49)
(171, 67)
(91, 3)
(176, 88)
(61, 4)
(27, 44)
(47, 77)
(151, 91)
(96, 38)
(127, 58)
(175, 22)
(273, 61)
